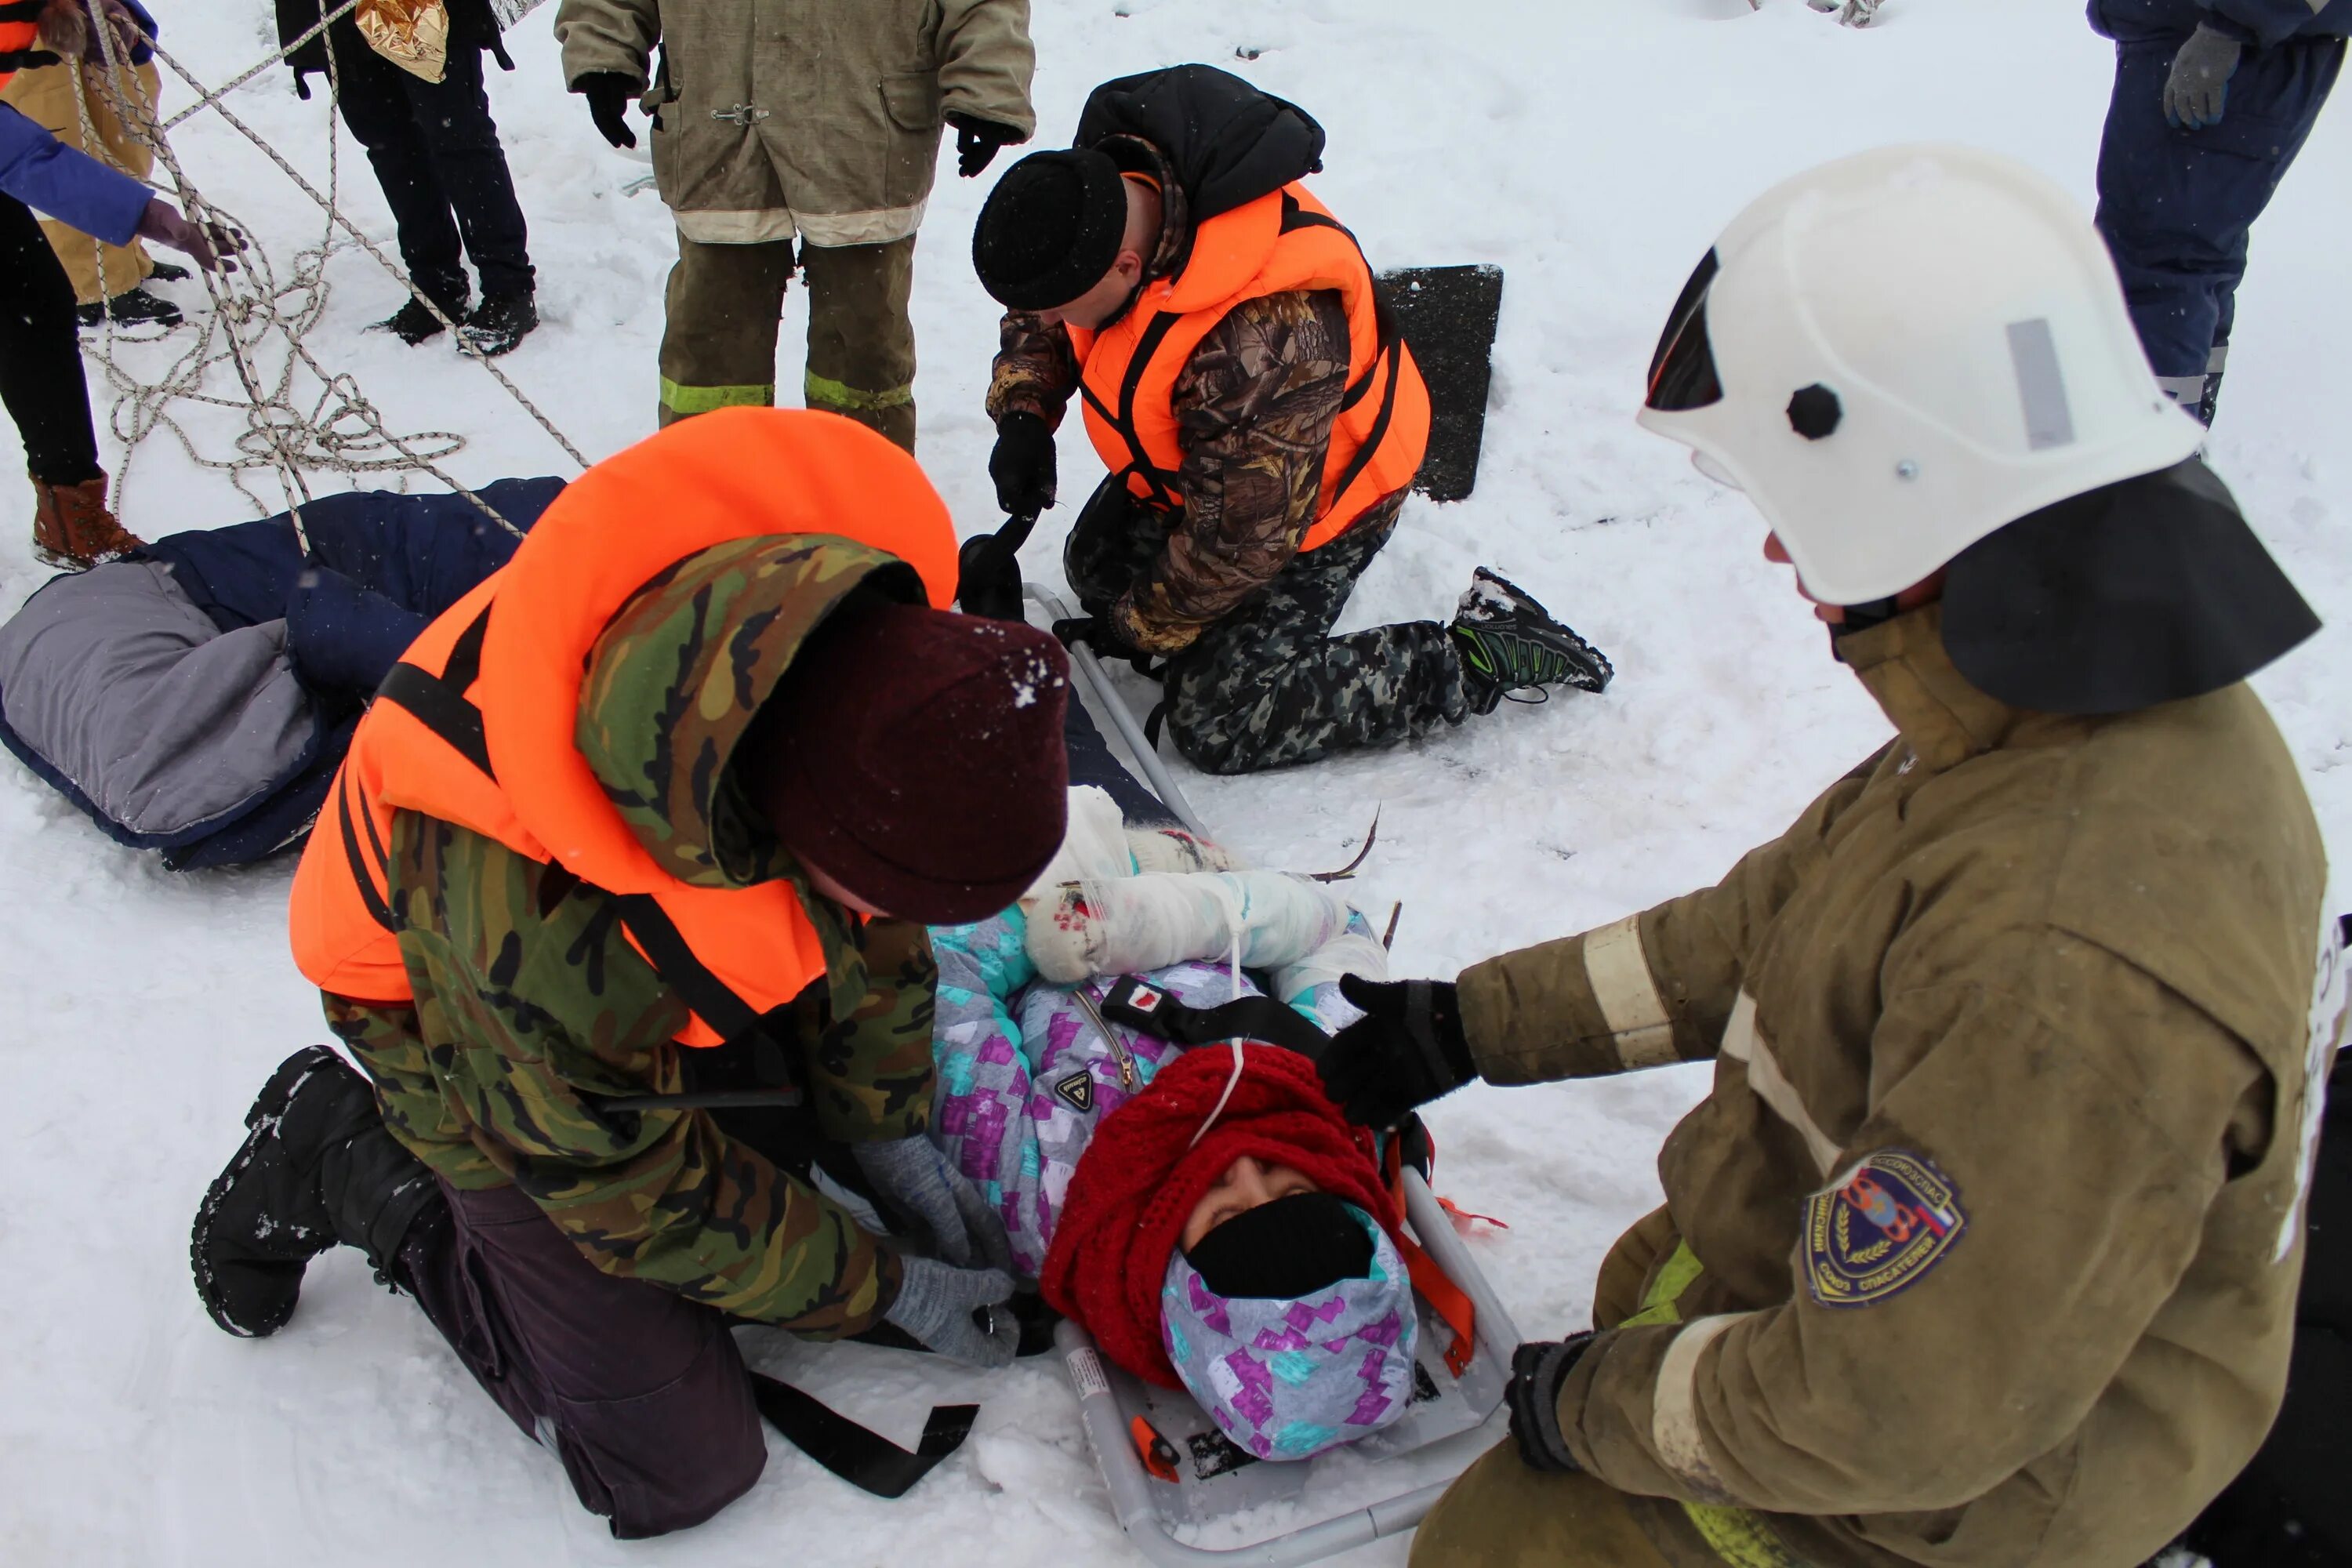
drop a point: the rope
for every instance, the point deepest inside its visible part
(339, 430)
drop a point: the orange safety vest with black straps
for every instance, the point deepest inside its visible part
(1284, 242)
(474, 725)
(20, 39)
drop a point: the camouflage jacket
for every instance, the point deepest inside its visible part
(1256, 404)
(532, 1005)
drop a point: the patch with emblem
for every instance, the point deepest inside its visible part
(1079, 1091)
(1880, 1229)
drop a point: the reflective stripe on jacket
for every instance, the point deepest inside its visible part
(1282, 243)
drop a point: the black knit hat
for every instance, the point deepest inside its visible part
(1051, 229)
(1290, 1247)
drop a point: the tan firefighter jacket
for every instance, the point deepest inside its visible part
(1984, 1245)
(820, 116)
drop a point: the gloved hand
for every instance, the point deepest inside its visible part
(1098, 632)
(1538, 1372)
(210, 245)
(977, 141)
(915, 1175)
(2198, 87)
(938, 1306)
(1023, 463)
(1406, 1050)
(608, 94)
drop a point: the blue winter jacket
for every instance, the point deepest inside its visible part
(68, 185)
(2262, 23)
(196, 696)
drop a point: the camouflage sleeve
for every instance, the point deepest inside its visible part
(533, 1009)
(870, 1074)
(387, 1040)
(1254, 407)
(1035, 370)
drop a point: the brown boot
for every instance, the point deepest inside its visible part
(73, 529)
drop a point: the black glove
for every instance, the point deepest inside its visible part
(977, 141)
(1094, 629)
(608, 94)
(1023, 463)
(1406, 1050)
(1538, 1370)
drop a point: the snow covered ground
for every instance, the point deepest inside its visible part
(1589, 147)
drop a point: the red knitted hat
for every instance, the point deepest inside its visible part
(1128, 1202)
(915, 757)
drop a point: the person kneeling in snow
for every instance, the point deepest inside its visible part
(1982, 1249)
(1245, 384)
(1196, 1211)
(658, 809)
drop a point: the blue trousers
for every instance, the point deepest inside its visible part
(2175, 205)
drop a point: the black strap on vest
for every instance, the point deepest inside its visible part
(23, 10)
(1388, 363)
(1122, 418)
(26, 59)
(1147, 1009)
(864, 1458)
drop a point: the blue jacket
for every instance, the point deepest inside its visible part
(381, 566)
(67, 184)
(2262, 23)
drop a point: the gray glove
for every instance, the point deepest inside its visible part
(2198, 87)
(936, 1304)
(959, 1224)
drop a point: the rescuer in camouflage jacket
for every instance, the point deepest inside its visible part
(758, 722)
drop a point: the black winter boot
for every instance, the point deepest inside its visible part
(317, 1167)
(498, 323)
(1509, 643)
(415, 322)
(133, 307)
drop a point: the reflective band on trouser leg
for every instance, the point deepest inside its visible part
(1662, 1302)
(1619, 973)
(2185, 390)
(1740, 1538)
(680, 401)
(843, 398)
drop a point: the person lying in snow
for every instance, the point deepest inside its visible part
(1207, 1214)
(196, 696)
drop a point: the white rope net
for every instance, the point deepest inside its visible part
(248, 348)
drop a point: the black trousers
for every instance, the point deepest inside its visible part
(639, 1392)
(437, 154)
(40, 360)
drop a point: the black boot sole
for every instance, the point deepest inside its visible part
(261, 1124)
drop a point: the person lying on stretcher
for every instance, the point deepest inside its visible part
(1206, 1213)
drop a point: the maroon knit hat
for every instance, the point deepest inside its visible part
(916, 756)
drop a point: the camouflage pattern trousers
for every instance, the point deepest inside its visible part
(1268, 686)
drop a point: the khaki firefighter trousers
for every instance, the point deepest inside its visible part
(1501, 1514)
(46, 96)
(725, 301)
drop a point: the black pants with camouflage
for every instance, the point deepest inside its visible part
(1268, 686)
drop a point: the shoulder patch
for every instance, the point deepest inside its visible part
(1874, 1234)
(1079, 1092)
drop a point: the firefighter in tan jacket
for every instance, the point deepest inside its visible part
(1982, 1251)
(818, 118)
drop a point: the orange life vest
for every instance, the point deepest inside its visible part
(20, 39)
(481, 734)
(1281, 243)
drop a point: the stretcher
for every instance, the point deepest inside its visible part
(1186, 1495)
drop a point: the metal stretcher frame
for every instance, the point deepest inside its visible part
(1109, 1399)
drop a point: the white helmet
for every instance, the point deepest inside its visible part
(1897, 353)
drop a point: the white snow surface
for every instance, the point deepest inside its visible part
(1593, 149)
